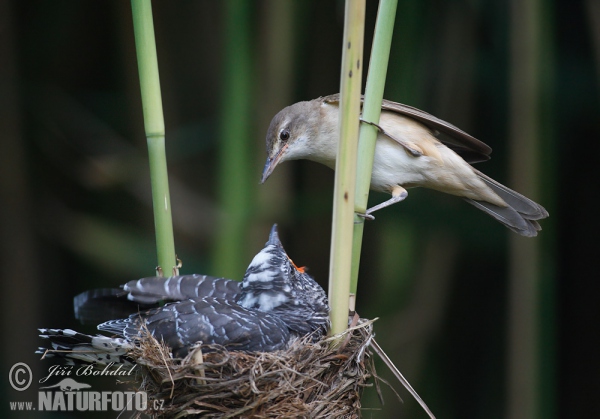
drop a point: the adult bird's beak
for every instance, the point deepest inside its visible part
(271, 163)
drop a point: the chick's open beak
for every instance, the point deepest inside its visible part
(271, 163)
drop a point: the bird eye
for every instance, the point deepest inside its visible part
(284, 135)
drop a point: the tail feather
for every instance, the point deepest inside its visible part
(76, 347)
(521, 213)
(529, 209)
(509, 217)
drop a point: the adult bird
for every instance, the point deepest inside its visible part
(413, 148)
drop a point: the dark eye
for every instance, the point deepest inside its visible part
(284, 135)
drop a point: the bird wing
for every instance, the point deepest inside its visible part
(100, 305)
(206, 320)
(464, 144)
(177, 288)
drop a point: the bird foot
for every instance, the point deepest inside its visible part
(398, 194)
(366, 216)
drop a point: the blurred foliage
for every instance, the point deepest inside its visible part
(77, 210)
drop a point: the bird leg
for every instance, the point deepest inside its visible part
(398, 194)
(413, 152)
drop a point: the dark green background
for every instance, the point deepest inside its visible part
(76, 214)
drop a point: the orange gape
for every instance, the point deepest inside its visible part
(299, 269)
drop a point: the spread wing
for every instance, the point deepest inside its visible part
(100, 305)
(465, 145)
(177, 288)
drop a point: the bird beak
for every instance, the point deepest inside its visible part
(274, 241)
(271, 163)
(274, 237)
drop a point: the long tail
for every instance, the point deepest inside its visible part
(78, 348)
(520, 215)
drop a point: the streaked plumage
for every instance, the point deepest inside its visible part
(100, 305)
(275, 302)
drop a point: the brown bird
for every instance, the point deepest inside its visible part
(413, 149)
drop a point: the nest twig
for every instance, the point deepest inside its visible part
(309, 379)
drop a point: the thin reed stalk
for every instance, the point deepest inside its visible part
(154, 125)
(345, 173)
(378, 64)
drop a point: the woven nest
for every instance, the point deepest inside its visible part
(309, 379)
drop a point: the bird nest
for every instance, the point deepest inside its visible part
(309, 379)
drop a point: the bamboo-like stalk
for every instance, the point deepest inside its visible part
(523, 375)
(236, 180)
(155, 133)
(345, 170)
(380, 54)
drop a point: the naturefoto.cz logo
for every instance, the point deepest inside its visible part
(71, 395)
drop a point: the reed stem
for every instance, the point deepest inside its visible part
(154, 125)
